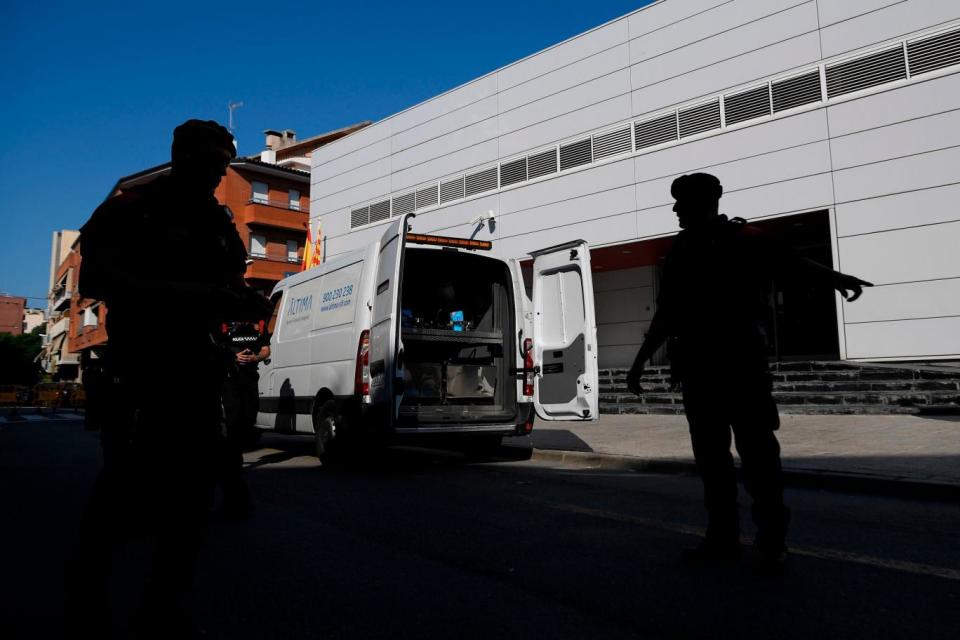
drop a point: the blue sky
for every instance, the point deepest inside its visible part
(94, 89)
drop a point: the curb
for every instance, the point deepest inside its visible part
(838, 481)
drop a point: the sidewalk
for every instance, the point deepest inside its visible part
(890, 455)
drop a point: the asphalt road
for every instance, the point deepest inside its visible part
(426, 544)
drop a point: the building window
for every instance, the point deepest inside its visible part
(261, 192)
(293, 248)
(258, 246)
(294, 199)
(90, 318)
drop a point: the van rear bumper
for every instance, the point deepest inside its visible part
(516, 426)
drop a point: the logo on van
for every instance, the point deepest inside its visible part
(301, 305)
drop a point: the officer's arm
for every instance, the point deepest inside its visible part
(787, 262)
(264, 353)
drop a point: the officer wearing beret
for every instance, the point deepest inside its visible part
(709, 312)
(165, 248)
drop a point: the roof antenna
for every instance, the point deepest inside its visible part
(231, 107)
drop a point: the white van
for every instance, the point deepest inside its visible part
(420, 334)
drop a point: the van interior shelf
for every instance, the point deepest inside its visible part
(448, 335)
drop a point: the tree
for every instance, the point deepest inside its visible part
(17, 358)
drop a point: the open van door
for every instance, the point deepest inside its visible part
(566, 387)
(385, 347)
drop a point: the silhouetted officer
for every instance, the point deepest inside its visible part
(166, 249)
(710, 308)
(248, 344)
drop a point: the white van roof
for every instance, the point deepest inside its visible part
(319, 270)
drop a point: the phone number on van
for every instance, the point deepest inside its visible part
(336, 298)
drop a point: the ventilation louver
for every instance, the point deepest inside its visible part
(934, 53)
(575, 154)
(542, 164)
(405, 203)
(380, 211)
(656, 131)
(481, 181)
(513, 172)
(869, 71)
(359, 217)
(795, 92)
(747, 105)
(426, 197)
(612, 143)
(699, 119)
(451, 190)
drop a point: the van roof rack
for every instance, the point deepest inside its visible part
(446, 241)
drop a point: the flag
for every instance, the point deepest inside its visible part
(307, 252)
(316, 254)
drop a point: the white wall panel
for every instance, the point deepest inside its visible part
(356, 240)
(355, 196)
(351, 143)
(335, 224)
(909, 339)
(887, 23)
(904, 255)
(597, 206)
(477, 155)
(359, 176)
(920, 98)
(604, 63)
(897, 140)
(599, 178)
(731, 145)
(564, 54)
(454, 216)
(664, 14)
(440, 146)
(720, 26)
(610, 232)
(350, 162)
(719, 76)
(574, 98)
(452, 100)
(446, 124)
(832, 11)
(657, 221)
(913, 208)
(801, 194)
(570, 124)
(931, 299)
(618, 357)
(894, 176)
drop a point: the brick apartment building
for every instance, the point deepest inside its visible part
(11, 314)
(268, 196)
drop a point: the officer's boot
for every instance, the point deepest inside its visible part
(721, 544)
(770, 543)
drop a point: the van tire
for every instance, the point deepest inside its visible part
(327, 421)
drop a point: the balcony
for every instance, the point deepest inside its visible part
(280, 215)
(60, 326)
(271, 268)
(61, 299)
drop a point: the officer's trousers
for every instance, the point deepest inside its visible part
(744, 405)
(157, 483)
(241, 401)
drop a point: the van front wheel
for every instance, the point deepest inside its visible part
(327, 422)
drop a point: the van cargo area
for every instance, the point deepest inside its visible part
(457, 330)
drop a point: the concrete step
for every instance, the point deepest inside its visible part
(802, 409)
(900, 398)
(816, 386)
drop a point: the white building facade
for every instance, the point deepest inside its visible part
(834, 123)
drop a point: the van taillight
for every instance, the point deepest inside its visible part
(528, 367)
(362, 379)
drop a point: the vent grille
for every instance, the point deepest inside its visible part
(798, 91)
(699, 119)
(612, 143)
(513, 172)
(427, 197)
(934, 53)
(380, 211)
(481, 181)
(656, 131)
(359, 217)
(404, 204)
(747, 105)
(451, 190)
(575, 154)
(542, 164)
(869, 71)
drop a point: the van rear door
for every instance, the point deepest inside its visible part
(564, 334)
(385, 391)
